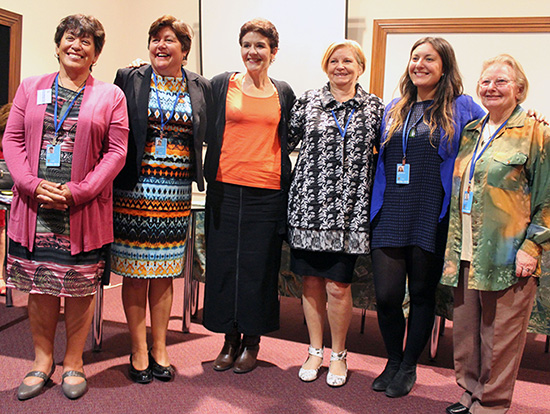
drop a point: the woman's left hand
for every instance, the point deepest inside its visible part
(67, 194)
(538, 116)
(525, 264)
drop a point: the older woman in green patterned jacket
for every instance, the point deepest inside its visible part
(499, 226)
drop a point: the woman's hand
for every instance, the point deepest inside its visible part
(137, 63)
(67, 194)
(525, 264)
(538, 116)
(50, 195)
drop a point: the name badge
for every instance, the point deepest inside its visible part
(160, 147)
(53, 155)
(43, 96)
(403, 174)
(467, 202)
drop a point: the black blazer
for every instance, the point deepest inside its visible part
(216, 127)
(135, 83)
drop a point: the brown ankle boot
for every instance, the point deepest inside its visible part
(248, 354)
(226, 358)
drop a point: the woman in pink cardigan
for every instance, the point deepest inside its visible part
(65, 142)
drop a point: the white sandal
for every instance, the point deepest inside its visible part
(308, 375)
(338, 380)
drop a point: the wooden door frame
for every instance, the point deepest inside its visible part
(15, 23)
(383, 27)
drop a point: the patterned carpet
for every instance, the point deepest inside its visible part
(272, 388)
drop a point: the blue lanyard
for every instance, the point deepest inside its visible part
(57, 124)
(476, 158)
(343, 132)
(171, 113)
(406, 132)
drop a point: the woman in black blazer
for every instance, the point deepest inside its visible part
(167, 106)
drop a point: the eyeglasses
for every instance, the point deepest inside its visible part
(499, 83)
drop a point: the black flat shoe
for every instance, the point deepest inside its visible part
(159, 371)
(402, 383)
(141, 377)
(383, 380)
(457, 408)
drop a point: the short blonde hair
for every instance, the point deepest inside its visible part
(521, 77)
(353, 45)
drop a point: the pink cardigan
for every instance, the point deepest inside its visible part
(98, 156)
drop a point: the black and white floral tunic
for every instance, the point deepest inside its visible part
(329, 199)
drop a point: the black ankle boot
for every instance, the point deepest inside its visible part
(383, 380)
(403, 381)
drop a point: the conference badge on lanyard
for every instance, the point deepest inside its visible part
(468, 196)
(160, 146)
(161, 143)
(53, 150)
(467, 199)
(402, 175)
(53, 155)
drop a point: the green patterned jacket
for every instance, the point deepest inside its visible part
(511, 207)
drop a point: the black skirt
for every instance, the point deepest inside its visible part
(244, 232)
(335, 266)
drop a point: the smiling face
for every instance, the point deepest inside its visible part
(425, 70)
(165, 53)
(256, 52)
(343, 69)
(497, 88)
(76, 54)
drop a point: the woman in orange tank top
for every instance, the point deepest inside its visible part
(248, 172)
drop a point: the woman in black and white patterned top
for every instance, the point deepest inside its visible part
(328, 212)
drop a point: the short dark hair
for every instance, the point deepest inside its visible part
(81, 25)
(183, 31)
(263, 27)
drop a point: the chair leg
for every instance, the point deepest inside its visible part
(547, 346)
(195, 295)
(188, 274)
(97, 321)
(363, 317)
(434, 338)
(9, 298)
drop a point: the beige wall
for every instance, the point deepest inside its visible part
(362, 13)
(126, 24)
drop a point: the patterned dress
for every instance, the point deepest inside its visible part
(150, 221)
(50, 268)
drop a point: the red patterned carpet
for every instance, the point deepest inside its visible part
(272, 388)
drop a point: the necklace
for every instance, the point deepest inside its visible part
(77, 89)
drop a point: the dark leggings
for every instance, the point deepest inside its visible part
(391, 266)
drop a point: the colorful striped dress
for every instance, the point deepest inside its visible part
(150, 221)
(50, 268)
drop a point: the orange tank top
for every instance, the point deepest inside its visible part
(251, 149)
